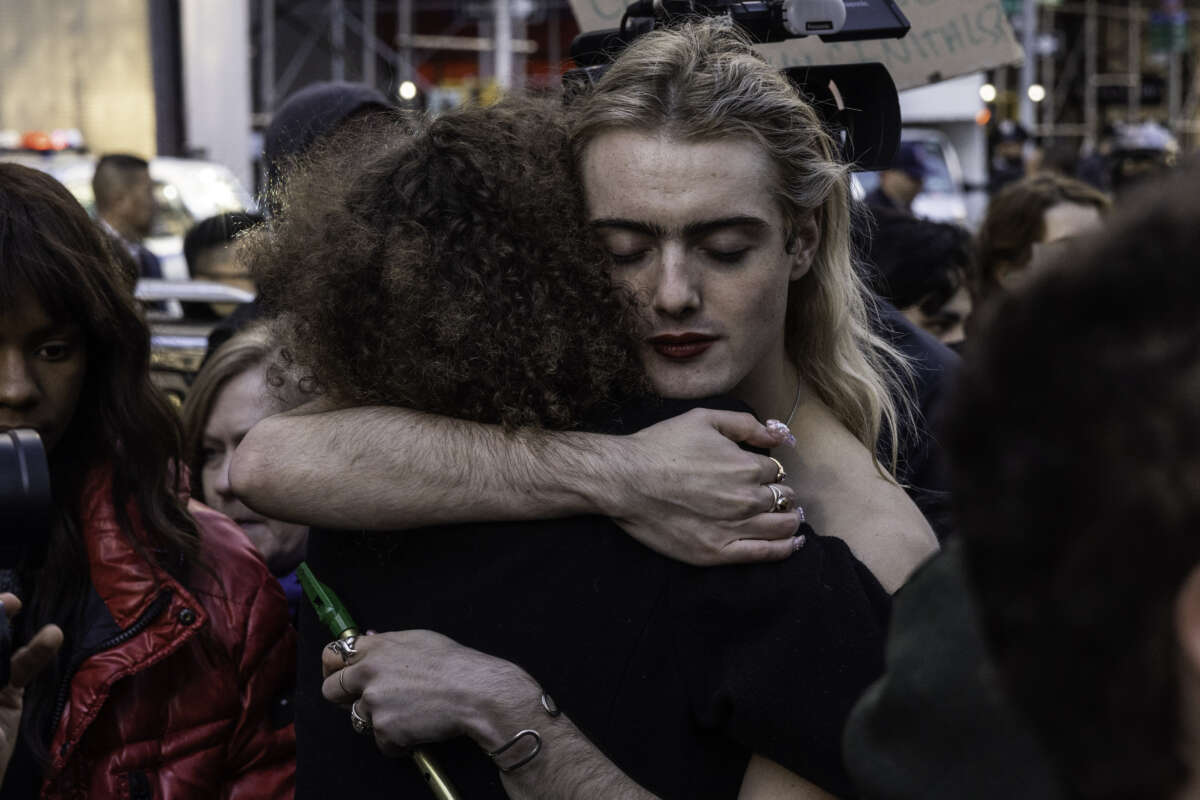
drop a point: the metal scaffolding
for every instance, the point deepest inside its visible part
(1088, 53)
(297, 41)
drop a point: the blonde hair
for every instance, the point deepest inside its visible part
(702, 81)
(247, 350)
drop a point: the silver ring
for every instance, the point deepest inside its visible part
(341, 672)
(778, 501)
(780, 472)
(358, 722)
(344, 648)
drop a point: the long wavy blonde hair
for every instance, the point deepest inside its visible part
(703, 81)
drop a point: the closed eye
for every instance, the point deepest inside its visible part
(728, 256)
(627, 258)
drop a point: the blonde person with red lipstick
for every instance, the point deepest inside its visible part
(728, 213)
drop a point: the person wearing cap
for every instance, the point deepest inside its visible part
(308, 116)
(900, 184)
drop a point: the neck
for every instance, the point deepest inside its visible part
(770, 388)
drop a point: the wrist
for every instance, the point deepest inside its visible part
(607, 483)
(581, 471)
(494, 717)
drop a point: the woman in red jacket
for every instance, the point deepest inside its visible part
(177, 657)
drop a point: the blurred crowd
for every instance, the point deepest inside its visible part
(636, 452)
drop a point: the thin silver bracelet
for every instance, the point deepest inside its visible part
(552, 709)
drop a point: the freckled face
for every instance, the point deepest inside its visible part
(695, 230)
(42, 367)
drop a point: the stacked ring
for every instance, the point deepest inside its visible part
(358, 722)
(779, 501)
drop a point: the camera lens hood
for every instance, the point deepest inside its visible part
(24, 493)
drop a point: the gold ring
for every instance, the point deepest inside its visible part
(780, 472)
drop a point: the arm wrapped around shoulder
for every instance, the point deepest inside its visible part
(775, 655)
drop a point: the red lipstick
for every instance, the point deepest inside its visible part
(680, 346)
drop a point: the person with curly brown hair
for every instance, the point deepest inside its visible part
(447, 267)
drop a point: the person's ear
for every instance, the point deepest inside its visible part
(1187, 620)
(806, 238)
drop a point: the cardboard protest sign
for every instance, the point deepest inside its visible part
(948, 38)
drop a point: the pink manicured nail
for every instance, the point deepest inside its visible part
(798, 542)
(781, 431)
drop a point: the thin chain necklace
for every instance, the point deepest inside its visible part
(796, 402)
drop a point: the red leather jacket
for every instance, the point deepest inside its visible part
(182, 702)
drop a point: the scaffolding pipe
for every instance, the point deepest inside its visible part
(503, 36)
(1090, 57)
(1029, 64)
(337, 39)
(404, 29)
(368, 42)
(266, 59)
(1135, 63)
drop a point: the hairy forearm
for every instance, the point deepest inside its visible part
(569, 767)
(391, 468)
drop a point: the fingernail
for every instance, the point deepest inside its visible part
(800, 511)
(798, 542)
(781, 431)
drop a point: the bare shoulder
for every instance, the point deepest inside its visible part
(847, 495)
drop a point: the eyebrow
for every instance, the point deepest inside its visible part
(55, 329)
(692, 230)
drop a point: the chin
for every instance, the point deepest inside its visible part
(688, 387)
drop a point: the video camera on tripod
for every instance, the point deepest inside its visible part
(24, 515)
(857, 102)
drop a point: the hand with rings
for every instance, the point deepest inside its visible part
(686, 488)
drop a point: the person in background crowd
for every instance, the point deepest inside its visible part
(304, 119)
(1076, 469)
(1008, 164)
(209, 248)
(900, 184)
(308, 116)
(230, 394)
(1026, 224)
(1095, 162)
(209, 252)
(920, 267)
(1140, 152)
(176, 645)
(125, 206)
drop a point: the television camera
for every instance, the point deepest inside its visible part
(858, 103)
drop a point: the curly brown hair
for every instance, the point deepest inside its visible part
(445, 265)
